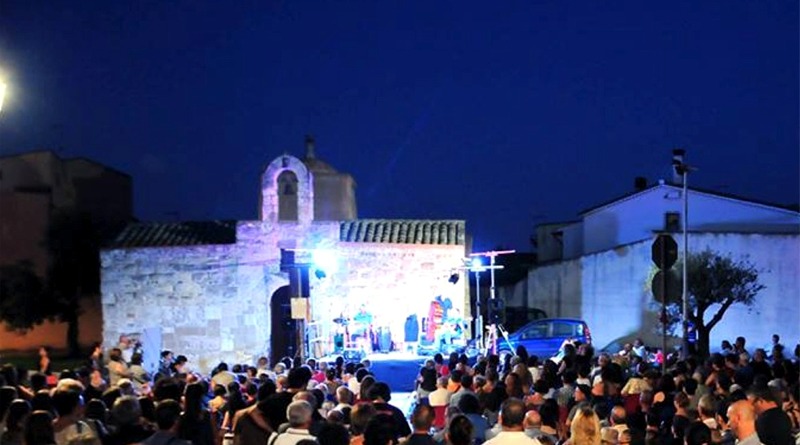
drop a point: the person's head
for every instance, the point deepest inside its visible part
(115, 354)
(167, 414)
(380, 392)
(533, 421)
(459, 430)
(469, 404)
(422, 418)
(126, 411)
(697, 433)
(39, 429)
(583, 393)
(344, 395)
(441, 382)
(618, 415)
(609, 436)
(466, 381)
(44, 351)
(299, 414)
(380, 431)
(18, 411)
(360, 416)
(707, 406)
(762, 398)
(333, 434)
(585, 427)
(67, 402)
(136, 359)
(742, 418)
(512, 414)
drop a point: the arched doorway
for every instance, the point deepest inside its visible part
(283, 335)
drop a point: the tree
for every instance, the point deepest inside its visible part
(715, 282)
(21, 297)
(73, 242)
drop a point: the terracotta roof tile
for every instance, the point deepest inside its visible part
(189, 233)
(447, 232)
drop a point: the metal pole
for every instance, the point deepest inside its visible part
(479, 319)
(685, 291)
(492, 296)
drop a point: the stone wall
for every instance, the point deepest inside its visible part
(212, 303)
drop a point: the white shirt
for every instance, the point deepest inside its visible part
(79, 431)
(440, 397)
(512, 438)
(290, 437)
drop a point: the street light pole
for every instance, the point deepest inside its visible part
(685, 281)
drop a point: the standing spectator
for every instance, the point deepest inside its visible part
(168, 414)
(742, 420)
(117, 367)
(127, 414)
(18, 412)
(421, 420)
(585, 428)
(380, 396)
(44, 360)
(39, 429)
(299, 414)
(68, 426)
(512, 420)
(773, 425)
(96, 357)
(196, 424)
(139, 376)
(459, 431)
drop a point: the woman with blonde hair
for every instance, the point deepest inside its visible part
(585, 428)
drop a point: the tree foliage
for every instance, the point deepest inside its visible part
(21, 295)
(715, 283)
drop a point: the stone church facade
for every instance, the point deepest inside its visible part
(220, 290)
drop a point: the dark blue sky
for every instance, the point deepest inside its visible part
(506, 114)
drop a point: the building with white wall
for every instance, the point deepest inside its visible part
(599, 266)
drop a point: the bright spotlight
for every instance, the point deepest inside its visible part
(325, 260)
(2, 93)
(477, 264)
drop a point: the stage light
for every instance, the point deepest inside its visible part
(477, 264)
(320, 274)
(454, 278)
(325, 260)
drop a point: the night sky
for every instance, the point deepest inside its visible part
(506, 114)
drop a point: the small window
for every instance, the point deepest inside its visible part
(563, 329)
(672, 222)
(538, 330)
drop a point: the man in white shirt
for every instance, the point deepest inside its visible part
(440, 397)
(299, 414)
(512, 418)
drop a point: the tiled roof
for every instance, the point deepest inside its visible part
(403, 231)
(148, 234)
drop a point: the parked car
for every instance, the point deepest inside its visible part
(544, 338)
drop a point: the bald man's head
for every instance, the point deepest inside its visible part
(533, 420)
(742, 418)
(618, 415)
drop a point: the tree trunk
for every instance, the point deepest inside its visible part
(73, 333)
(703, 340)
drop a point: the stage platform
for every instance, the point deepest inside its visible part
(398, 369)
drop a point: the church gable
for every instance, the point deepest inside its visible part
(447, 232)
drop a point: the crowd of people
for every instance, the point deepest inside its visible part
(582, 398)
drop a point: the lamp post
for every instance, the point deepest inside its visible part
(477, 267)
(683, 169)
(2, 94)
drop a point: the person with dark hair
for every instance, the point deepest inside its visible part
(39, 429)
(196, 424)
(250, 425)
(380, 395)
(279, 402)
(460, 431)
(380, 431)
(471, 408)
(117, 368)
(44, 360)
(138, 375)
(360, 417)
(168, 413)
(127, 414)
(18, 411)
(333, 434)
(772, 424)
(512, 422)
(68, 426)
(421, 421)
(465, 387)
(697, 433)
(167, 388)
(235, 403)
